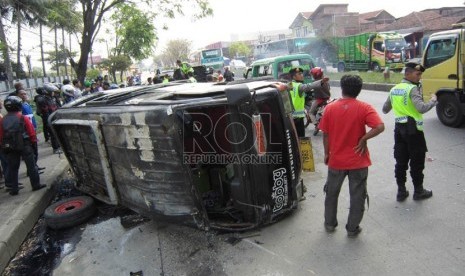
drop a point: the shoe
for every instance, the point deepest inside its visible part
(402, 195)
(423, 194)
(8, 188)
(57, 151)
(316, 130)
(39, 187)
(330, 228)
(354, 233)
(13, 193)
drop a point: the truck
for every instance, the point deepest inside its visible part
(214, 58)
(444, 60)
(370, 51)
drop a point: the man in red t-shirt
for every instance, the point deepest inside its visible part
(346, 153)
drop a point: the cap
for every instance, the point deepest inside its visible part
(295, 70)
(415, 66)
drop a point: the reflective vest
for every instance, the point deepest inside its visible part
(402, 104)
(185, 68)
(298, 101)
(166, 80)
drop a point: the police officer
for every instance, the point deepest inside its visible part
(299, 90)
(185, 67)
(406, 99)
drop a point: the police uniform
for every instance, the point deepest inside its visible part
(406, 100)
(299, 93)
(298, 101)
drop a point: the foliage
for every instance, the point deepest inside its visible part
(116, 63)
(20, 73)
(175, 49)
(20, 11)
(37, 72)
(239, 49)
(134, 30)
(62, 55)
(63, 13)
(92, 74)
(94, 11)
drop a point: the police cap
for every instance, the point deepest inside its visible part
(415, 66)
(295, 70)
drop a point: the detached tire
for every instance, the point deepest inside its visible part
(449, 111)
(69, 212)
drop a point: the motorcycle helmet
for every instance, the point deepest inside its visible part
(13, 103)
(40, 91)
(317, 73)
(50, 88)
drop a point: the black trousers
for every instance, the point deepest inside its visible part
(300, 126)
(409, 150)
(14, 159)
(50, 135)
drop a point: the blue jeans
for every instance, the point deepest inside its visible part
(358, 195)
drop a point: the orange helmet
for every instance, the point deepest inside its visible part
(317, 73)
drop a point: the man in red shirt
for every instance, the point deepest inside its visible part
(346, 152)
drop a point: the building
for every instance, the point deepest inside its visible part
(417, 26)
(302, 25)
(331, 20)
(375, 20)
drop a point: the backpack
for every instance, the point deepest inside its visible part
(13, 140)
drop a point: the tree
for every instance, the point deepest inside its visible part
(24, 12)
(18, 11)
(116, 63)
(176, 49)
(93, 12)
(62, 14)
(135, 34)
(239, 49)
(58, 61)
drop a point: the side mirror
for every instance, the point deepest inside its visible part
(238, 94)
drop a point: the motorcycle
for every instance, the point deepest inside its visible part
(319, 114)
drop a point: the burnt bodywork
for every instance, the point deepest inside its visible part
(212, 156)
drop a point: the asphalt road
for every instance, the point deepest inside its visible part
(409, 238)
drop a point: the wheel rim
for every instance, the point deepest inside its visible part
(68, 206)
(449, 111)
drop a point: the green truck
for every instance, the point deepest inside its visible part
(370, 51)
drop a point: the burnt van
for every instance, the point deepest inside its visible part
(213, 156)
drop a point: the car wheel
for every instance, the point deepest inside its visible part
(449, 111)
(69, 212)
(341, 67)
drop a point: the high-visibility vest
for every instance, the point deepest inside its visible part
(402, 104)
(185, 68)
(298, 101)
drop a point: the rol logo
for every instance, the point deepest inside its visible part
(279, 194)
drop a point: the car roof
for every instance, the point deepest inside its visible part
(172, 92)
(281, 58)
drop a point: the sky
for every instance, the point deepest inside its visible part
(248, 16)
(235, 17)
